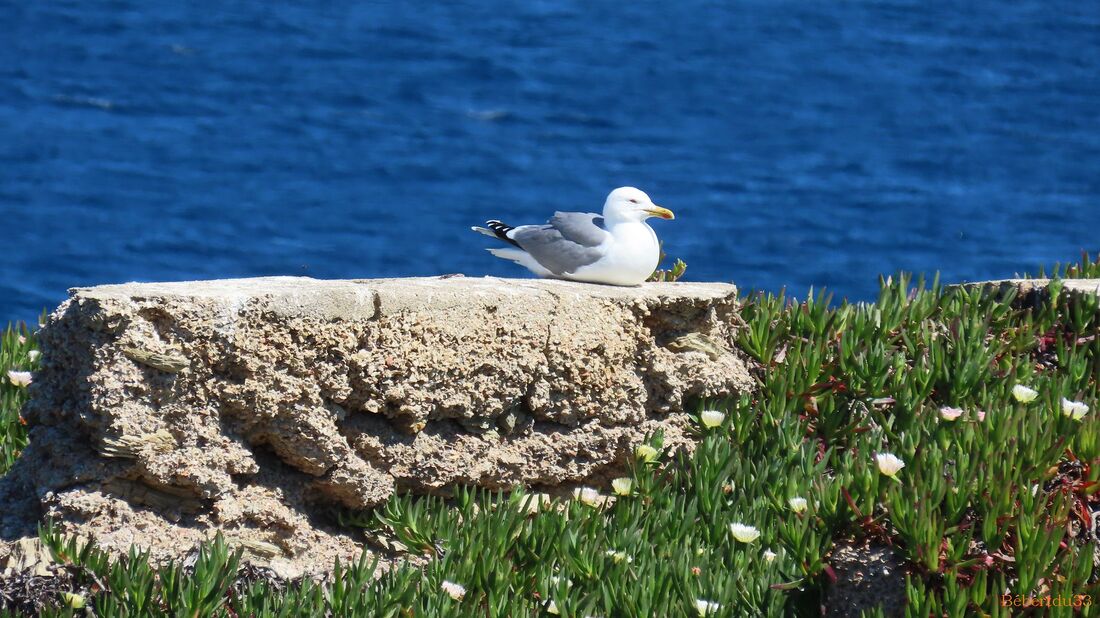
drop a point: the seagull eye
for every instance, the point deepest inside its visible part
(633, 201)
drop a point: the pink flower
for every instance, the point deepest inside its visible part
(948, 413)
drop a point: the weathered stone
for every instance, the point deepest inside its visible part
(869, 576)
(1035, 292)
(166, 411)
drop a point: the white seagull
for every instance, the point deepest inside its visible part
(617, 248)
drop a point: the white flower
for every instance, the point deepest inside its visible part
(889, 464)
(456, 591)
(619, 556)
(73, 600)
(1024, 394)
(588, 496)
(556, 580)
(33, 355)
(622, 486)
(769, 555)
(712, 418)
(646, 453)
(22, 340)
(705, 607)
(798, 504)
(948, 413)
(1074, 409)
(744, 533)
(19, 378)
(552, 608)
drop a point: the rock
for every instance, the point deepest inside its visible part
(26, 554)
(1033, 292)
(869, 575)
(167, 411)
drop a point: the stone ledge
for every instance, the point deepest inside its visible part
(1032, 292)
(165, 411)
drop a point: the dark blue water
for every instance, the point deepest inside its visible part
(800, 143)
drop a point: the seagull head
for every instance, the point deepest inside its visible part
(630, 204)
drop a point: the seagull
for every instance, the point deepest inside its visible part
(616, 248)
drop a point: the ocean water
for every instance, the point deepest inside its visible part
(799, 143)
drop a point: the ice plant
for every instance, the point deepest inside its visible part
(619, 556)
(456, 591)
(622, 486)
(797, 504)
(33, 355)
(556, 580)
(1074, 409)
(889, 464)
(552, 608)
(948, 413)
(587, 495)
(646, 453)
(705, 607)
(744, 533)
(712, 418)
(1024, 394)
(19, 378)
(769, 555)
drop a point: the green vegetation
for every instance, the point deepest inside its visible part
(984, 404)
(1083, 269)
(672, 274)
(16, 346)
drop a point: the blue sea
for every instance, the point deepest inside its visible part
(799, 143)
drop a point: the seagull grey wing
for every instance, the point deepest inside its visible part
(567, 242)
(583, 228)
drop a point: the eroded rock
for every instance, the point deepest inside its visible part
(167, 411)
(868, 576)
(1036, 292)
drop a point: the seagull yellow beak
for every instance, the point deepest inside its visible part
(663, 213)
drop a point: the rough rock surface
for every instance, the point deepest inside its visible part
(869, 576)
(1034, 292)
(165, 411)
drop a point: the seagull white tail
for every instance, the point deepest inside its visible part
(521, 257)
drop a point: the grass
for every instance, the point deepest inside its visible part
(997, 492)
